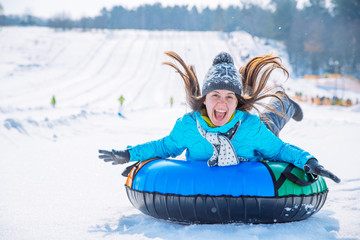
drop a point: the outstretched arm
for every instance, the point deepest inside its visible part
(171, 145)
(274, 148)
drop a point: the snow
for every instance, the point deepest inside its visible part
(52, 184)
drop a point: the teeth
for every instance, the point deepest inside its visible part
(222, 111)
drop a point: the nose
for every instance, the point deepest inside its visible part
(222, 100)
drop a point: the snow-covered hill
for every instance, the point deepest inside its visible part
(52, 184)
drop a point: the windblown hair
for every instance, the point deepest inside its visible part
(254, 76)
(192, 88)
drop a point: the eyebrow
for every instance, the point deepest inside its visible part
(230, 93)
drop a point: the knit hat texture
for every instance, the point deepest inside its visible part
(222, 75)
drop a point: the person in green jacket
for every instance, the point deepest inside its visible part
(121, 100)
(120, 110)
(171, 101)
(53, 101)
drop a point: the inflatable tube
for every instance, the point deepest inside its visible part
(251, 192)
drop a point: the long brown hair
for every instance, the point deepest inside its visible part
(254, 89)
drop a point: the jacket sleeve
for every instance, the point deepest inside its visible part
(273, 148)
(169, 146)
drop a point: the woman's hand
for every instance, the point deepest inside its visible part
(312, 166)
(116, 157)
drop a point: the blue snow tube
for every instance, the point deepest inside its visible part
(250, 192)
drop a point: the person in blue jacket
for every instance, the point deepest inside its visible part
(220, 129)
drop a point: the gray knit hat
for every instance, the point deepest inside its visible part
(222, 75)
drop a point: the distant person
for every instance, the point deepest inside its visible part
(171, 101)
(121, 100)
(120, 110)
(53, 101)
(221, 130)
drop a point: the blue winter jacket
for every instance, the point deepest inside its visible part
(252, 141)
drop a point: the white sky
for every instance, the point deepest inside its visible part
(80, 8)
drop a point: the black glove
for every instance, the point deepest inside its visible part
(116, 157)
(312, 166)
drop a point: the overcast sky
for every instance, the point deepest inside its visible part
(80, 8)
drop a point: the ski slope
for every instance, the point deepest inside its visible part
(52, 184)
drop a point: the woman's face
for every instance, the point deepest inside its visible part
(220, 106)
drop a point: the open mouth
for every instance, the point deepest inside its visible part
(220, 114)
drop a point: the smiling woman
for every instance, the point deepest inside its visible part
(220, 130)
(220, 106)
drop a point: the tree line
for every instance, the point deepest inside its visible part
(318, 39)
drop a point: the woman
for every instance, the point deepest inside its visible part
(220, 130)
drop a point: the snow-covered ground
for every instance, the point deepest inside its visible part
(52, 184)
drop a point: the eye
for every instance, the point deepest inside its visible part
(230, 97)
